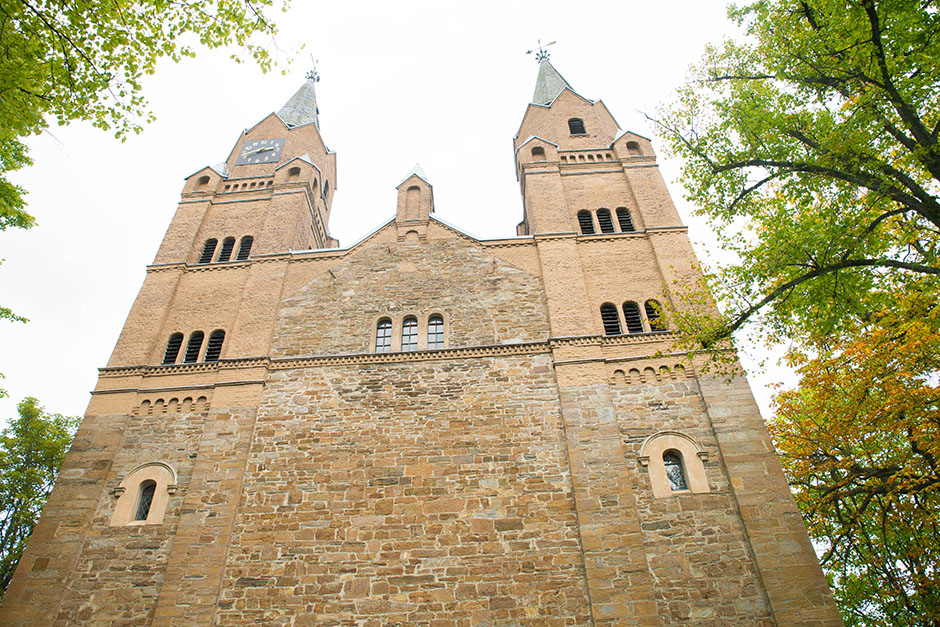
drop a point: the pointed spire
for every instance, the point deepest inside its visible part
(302, 106)
(416, 171)
(549, 83)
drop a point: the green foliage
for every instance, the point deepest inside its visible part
(31, 451)
(811, 145)
(85, 59)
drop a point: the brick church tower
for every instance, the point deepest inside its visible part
(422, 428)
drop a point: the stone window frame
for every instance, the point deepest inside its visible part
(640, 303)
(693, 462)
(398, 322)
(128, 494)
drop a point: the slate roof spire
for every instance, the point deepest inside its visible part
(302, 106)
(549, 83)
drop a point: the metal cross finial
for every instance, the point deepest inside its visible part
(541, 53)
(312, 74)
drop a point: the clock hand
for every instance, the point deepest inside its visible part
(261, 150)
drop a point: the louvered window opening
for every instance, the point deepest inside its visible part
(383, 337)
(208, 250)
(576, 126)
(610, 319)
(631, 315)
(435, 332)
(192, 348)
(214, 347)
(626, 222)
(228, 244)
(409, 334)
(674, 471)
(146, 499)
(587, 225)
(173, 348)
(245, 248)
(653, 315)
(604, 221)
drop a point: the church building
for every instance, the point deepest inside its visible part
(422, 428)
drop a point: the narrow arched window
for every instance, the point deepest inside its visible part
(173, 348)
(576, 126)
(409, 334)
(147, 490)
(586, 223)
(326, 189)
(675, 472)
(626, 223)
(228, 244)
(245, 248)
(631, 315)
(208, 250)
(654, 315)
(610, 319)
(538, 153)
(435, 332)
(193, 346)
(604, 221)
(383, 336)
(214, 346)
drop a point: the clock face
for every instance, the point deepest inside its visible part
(260, 151)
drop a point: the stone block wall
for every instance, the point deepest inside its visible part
(425, 493)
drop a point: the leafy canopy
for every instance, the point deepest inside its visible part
(84, 60)
(31, 451)
(860, 441)
(812, 147)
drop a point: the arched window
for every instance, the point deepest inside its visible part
(144, 501)
(604, 221)
(626, 223)
(634, 149)
(610, 319)
(409, 334)
(586, 223)
(202, 182)
(214, 347)
(675, 473)
(208, 250)
(383, 336)
(538, 153)
(435, 332)
(293, 173)
(631, 315)
(326, 189)
(576, 126)
(228, 244)
(245, 248)
(654, 315)
(193, 346)
(173, 348)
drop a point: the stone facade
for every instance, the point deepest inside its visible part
(511, 471)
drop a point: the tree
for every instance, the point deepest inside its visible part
(811, 145)
(32, 448)
(859, 440)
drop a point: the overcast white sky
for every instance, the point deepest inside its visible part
(444, 84)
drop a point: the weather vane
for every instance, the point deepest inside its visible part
(312, 74)
(541, 53)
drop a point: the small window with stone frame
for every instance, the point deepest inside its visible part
(383, 336)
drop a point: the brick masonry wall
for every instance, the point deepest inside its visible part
(430, 493)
